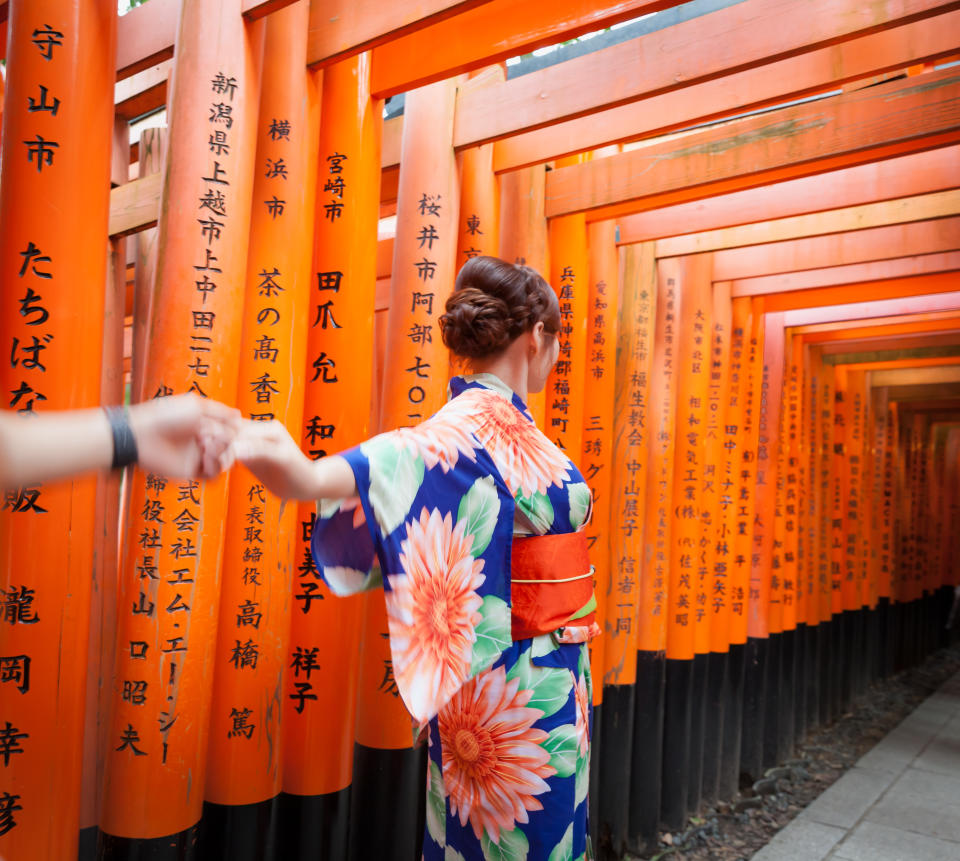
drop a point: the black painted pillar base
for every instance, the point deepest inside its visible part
(836, 658)
(729, 779)
(717, 683)
(846, 659)
(646, 769)
(811, 677)
(786, 722)
(313, 826)
(614, 766)
(801, 645)
(677, 716)
(593, 788)
(87, 845)
(392, 783)
(772, 702)
(239, 832)
(886, 636)
(754, 695)
(183, 846)
(824, 673)
(698, 706)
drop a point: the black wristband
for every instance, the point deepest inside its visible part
(124, 444)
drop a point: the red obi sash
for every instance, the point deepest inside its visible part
(551, 584)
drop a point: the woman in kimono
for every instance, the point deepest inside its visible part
(488, 620)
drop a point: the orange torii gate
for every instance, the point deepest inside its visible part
(862, 211)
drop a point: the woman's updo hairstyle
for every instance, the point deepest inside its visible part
(493, 302)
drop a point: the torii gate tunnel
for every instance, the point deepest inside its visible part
(750, 211)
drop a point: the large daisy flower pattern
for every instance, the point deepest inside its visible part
(433, 610)
(494, 764)
(527, 460)
(441, 440)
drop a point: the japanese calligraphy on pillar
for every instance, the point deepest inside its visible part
(634, 603)
(54, 208)
(570, 280)
(731, 496)
(688, 622)
(715, 488)
(170, 583)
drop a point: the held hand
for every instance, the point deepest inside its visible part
(272, 455)
(184, 436)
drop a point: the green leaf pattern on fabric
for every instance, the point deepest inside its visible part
(563, 851)
(436, 806)
(512, 846)
(551, 686)
(479, 511)
(579, 504)
(561, 744)
(493, 633)
(538, 510)
(396, 474)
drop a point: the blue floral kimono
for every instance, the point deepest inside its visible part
(509, 721)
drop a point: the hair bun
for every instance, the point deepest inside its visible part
(493, 303)
(476, 324)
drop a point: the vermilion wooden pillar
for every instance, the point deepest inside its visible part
(735, 570)
(478, 228)
(103, 610)
(766, 616)
(569, 277)
(686, 609)
(715, 503)
(244, 757)
(629, 817)
(320, 706)
(169, 591)
(751, 737)
(54, 204)
(414, 387)
(523, 238)
(596, 457)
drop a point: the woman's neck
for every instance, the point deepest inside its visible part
(510, 367)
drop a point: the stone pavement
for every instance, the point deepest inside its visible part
(900, 802)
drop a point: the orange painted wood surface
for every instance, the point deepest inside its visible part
(569, 277)
(634, 614)
(686, 612)
(717, 483)
(636, 602)
(319, 733)
(747, 501)
(842, 131)
(764, 615)
(523, 238)
(338, 30)
(477, 37)
(735, 500)
(917, 173)
(170, 580)
(57, 135)
(244, 752)
(721, 42)
(596, 456)
(772, 83)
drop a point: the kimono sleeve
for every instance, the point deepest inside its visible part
(348, 539)
(438, 523)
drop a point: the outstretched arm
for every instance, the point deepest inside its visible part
(180, 436)
(270, 453)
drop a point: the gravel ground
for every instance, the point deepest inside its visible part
(733, 832)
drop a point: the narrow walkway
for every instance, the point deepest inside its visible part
(900, 802)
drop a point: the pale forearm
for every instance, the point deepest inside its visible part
(50, 446)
